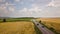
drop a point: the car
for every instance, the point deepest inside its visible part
(37, 24)
(42, 26)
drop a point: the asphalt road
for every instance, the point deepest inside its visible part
(42, 28)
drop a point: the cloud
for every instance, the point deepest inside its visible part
(11, 9)
(36, 11)
(32, 12)
(42, 2)
(3, 10)
(57, 3)
(6, 9)
(2, 0)
(51, 3)
(30, 8)
(51, 12)
(9, 4)
(54, 3)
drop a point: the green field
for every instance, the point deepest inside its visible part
(17, 19)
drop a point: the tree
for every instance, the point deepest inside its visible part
(40, 21)
(4, 20)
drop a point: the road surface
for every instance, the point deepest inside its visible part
(42, 28)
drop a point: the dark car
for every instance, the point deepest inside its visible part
(42, 26)
(37, 24)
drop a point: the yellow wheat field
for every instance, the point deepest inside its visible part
(17, 28)
(51, 22)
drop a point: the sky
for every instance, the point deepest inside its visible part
(29, 8)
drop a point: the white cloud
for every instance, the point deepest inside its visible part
(35, 8)
(2, 0)
(3, 8)
(11, 9)
(8, 4)
(57, 3)
(54, 3)
(51, 12)
(34, 11)
(51, 3)
(6, 9)
(3, 11)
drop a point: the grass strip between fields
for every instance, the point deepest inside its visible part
(16, 19)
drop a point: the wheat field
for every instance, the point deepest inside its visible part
(51, 22)
(21, 27)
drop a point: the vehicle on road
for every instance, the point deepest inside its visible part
(37, 24)
(42, 26)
